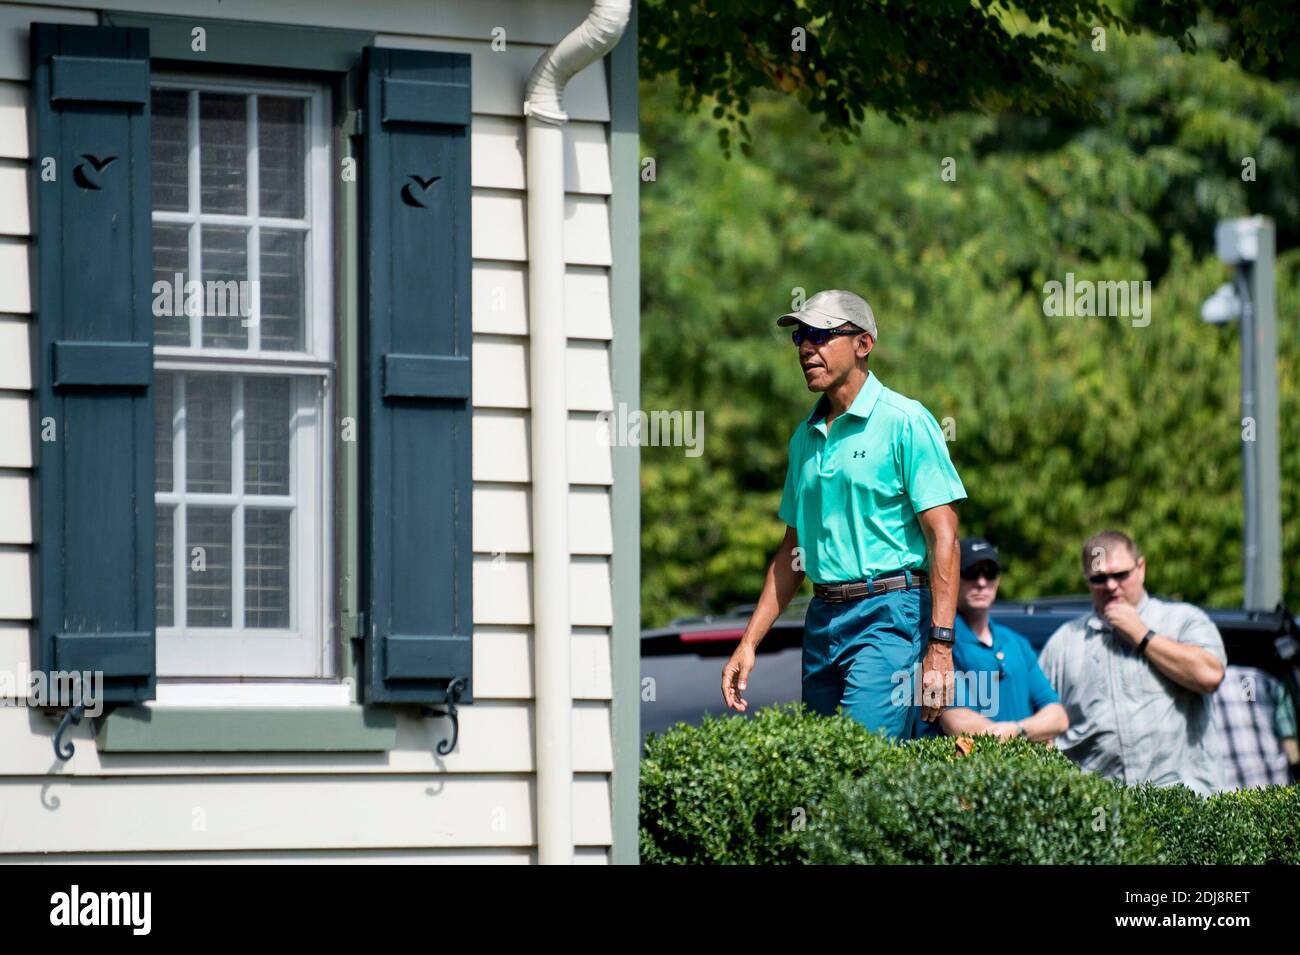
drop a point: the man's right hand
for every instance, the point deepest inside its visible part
(735, 677)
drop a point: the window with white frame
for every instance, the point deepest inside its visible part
(243, 358)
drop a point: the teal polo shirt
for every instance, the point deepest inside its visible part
(1022, 687)
(853, 492)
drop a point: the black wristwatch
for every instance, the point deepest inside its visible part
(942, 635)
(1142, 647)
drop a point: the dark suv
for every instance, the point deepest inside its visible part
(685, 659)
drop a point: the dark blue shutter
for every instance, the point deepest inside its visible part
(416, 344)
(90, 114)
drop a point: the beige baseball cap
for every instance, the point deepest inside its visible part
(831, 308)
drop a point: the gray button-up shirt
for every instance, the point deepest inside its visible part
(1128, 721)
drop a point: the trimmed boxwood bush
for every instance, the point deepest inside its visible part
(988, 807)
(737, 790)
(1249, 827)
(788, 786)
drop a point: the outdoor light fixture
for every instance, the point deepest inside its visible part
(1223, 306)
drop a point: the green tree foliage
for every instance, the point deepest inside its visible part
(1062, 425)
(842, 58)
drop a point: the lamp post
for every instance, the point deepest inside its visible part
(1248, 246)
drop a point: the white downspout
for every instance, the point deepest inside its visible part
(552, 693)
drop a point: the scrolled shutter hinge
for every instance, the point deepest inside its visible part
(71, 717)
(454, 689)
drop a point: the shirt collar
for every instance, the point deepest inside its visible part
(860, 407)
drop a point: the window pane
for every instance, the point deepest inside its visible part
(266, 435)
(207, 433)
(281, 152)
(266, 567)
(207, 568)
(282, 290)
(223, 152)
(171, 264)
(162, 431)
(169, 134)
(225, 260)
(163, 569)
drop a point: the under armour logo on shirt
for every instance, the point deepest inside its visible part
(859, 454)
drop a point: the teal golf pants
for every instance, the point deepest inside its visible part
(865, 655)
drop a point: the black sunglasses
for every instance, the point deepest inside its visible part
(987, 571)
(1098, 580)
(819, 336)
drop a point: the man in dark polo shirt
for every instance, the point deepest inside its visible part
(1000, 688)
(869, 504)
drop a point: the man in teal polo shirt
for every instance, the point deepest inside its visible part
(869, 505)
(1000, 689)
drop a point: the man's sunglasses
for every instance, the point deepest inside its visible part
(819, 336)
(1099, 580)
(985, 571)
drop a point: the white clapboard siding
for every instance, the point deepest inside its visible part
(16, 509)
(13, 199)
(503, 513)
(501, 374)
(495, 737)
(15, 660)
(501, 300)
(590, 602)
(502, 517)
(15, 353)
(502, 520)
(503, 663)
(15, 289)
(591, 528)
(15, 31)
(499, 226)
(15, 431)
(589, 459)
(497, 147)
(592, 676)
(13, 120)
(503, 591)
(498, 77)
(588, 313)
(501, 448)
(15, 584)
(57, 814)
(588, 377)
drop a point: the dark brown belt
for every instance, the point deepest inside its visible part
(857, 589)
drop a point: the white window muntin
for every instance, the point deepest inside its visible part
(301, 649)
(318, 326)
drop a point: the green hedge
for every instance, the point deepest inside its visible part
(1249, 827)
(788, 786)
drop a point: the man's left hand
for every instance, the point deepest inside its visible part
(937, 681)
(1123, 616)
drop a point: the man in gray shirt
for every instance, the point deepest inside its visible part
(1137, 677)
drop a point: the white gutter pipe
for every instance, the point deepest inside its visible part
(552, 692)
